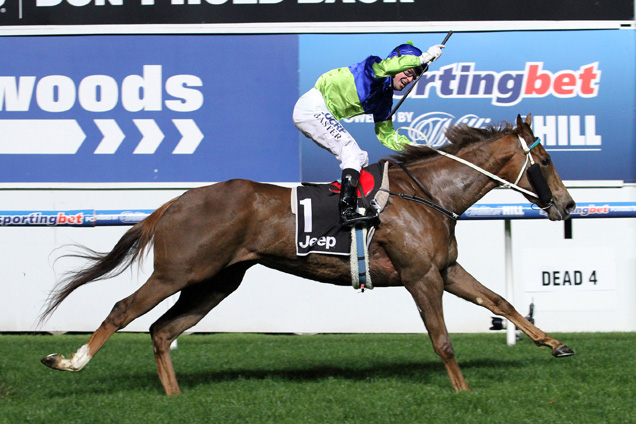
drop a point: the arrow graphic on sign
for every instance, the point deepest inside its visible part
(191, 136)
(113, 136)
(152, 136)
(40, 136)
(65, 136)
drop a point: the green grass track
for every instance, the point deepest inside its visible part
(327, 378)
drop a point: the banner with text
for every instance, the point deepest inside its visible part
(148, 108)
(91, 12)
(578, 86)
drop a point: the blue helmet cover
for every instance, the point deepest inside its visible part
(405, 49)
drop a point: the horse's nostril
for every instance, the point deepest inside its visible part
(570, 207)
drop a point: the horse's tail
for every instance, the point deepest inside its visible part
(129, 248)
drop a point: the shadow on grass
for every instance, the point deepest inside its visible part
(415, 372)
(430, 372)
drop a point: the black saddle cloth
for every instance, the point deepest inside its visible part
(318, 228)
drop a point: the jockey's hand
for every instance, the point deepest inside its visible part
(432, 54)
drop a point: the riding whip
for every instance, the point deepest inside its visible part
(416, 80)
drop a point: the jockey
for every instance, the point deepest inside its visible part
(362, 88)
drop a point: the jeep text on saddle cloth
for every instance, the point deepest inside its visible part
(507, 88)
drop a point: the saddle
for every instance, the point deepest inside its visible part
(318, 228)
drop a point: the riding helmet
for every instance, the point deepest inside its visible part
(407, 49)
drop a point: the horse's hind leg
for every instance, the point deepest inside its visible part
(194, 303)
(126, 310)
(460, 283)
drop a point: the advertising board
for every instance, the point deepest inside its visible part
(143, 12)
(578, 86)
(148, 108)
(204, 108)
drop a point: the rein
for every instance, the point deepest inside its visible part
(504, 183)
(418, 199)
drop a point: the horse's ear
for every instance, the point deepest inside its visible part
(519, 121)
(529, 119)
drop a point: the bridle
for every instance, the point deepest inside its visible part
(535, 175)
(529, 157)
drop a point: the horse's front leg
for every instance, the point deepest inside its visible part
(427, 294)
(460, 283)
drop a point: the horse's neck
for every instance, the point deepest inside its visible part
(456, 186)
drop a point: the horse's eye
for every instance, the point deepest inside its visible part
(545, 162)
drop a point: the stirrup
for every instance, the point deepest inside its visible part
(353, 219)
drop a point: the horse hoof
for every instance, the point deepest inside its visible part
(52, 360)
(562, 351)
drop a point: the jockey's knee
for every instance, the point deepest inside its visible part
(355, 160)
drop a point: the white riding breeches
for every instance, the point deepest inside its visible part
(315, 121)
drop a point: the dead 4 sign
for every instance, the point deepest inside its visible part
(568, 278)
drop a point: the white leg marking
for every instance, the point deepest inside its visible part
(78, 360)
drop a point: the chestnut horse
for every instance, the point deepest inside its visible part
(206, 239)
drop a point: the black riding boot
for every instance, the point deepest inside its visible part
(349, 217)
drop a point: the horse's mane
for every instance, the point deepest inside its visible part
(460, 135)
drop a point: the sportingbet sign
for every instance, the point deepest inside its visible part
(508, 88)
(578, 86)
(187, 108)
(147, 109)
